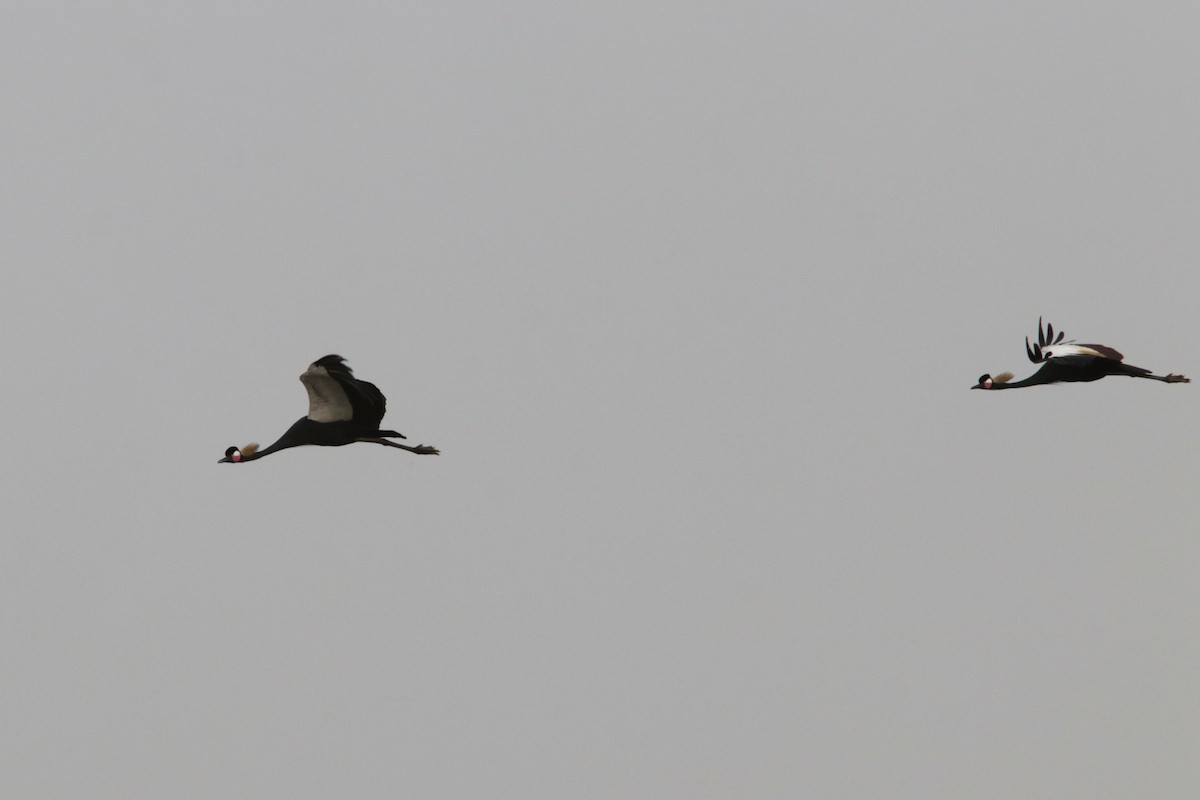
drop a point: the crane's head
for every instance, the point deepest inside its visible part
(988, 382)
(233, 455)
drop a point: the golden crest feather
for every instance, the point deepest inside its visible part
(1003, 377)
(250, 449)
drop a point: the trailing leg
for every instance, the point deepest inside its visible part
(421, 449)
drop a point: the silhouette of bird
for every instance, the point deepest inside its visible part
(341, 410)
(1066, 361)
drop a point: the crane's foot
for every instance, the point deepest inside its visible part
(1177, 379)
(425, 450)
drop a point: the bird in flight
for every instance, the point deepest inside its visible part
(341, 410)
(1066, 361)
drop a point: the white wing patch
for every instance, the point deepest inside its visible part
(327, 401)
(1060, 350)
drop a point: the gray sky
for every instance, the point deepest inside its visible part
(690, 296)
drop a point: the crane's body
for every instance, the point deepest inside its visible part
(1067, 362)
(341, 410)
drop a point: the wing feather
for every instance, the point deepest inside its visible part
(327, 399)
(1096, 350)
(366, 403)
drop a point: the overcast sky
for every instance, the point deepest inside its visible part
(690, 296)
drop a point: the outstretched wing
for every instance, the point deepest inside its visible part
(335, 393)
(1095, 350)
(327, 400)
(1049, 346)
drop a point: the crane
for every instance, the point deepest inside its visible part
(341, 410)
(1066, 361)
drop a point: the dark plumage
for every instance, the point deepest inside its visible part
(341, 410)
(1067, 361)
